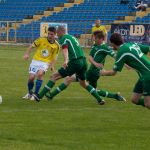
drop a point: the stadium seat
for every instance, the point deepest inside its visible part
(79, 18)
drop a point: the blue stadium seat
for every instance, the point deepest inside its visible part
(79, 18)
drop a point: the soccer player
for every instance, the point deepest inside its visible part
(97, 57)
(47, 49)
(74, 63)
(133, 55)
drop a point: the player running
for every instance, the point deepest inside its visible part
(133, 55)
(45, 56)
(74, 63)
(97, 58)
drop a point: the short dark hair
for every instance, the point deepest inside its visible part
(117, 39)
(52, 29)
(99, 34)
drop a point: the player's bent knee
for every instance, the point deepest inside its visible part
(68, 80)
(55, 76)
(83, 84)
(40, 73)
(31, 78)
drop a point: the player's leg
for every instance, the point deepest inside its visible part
(146, 93)
(31, 83)
(61, 73)
(108, 94)
(92, 91)
(137, 94)
(67, 81)
(42, 68)
(39, 81)
(32, 73)
(49, 85)
(82, 76)
(92, 78)
(137, 99)
(30, 86)
(147, 101)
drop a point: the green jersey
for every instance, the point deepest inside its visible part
(132, 54)
(74, 49)
(99, 53)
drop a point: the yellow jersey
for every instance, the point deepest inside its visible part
(100, 28)
(46, 51)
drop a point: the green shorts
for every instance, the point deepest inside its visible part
(77, 66)
(142, 87)
(92, 77)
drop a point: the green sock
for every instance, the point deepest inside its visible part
(59, 89)
(106, 94)
(47, 88)
(141, 102)
(93, 92)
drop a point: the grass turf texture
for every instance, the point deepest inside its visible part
(73, 120)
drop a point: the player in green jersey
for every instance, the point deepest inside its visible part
(133, 55)
(74, 63)
(98, 53)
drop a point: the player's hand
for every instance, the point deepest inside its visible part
(26, 56)
(102, 72)
(65, 64)
(99, 65)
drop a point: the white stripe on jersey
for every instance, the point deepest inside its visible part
(103, 50)
(129, 54)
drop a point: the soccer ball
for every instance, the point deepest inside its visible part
(1, 99)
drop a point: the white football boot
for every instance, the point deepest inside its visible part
(27, 96)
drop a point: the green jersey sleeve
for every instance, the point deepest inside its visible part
(144, 48)
(119, 62)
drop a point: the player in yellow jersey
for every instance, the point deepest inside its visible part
(47, 49)
(99, 27)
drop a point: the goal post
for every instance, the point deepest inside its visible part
(8, 31)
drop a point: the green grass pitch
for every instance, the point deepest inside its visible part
(73, 120)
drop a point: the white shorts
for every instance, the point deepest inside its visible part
(36, 65)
